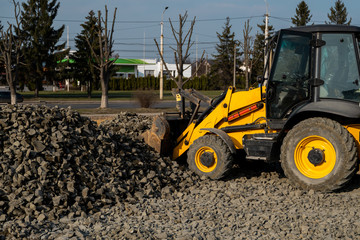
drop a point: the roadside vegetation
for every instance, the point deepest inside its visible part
(77, 95)
(32, 54)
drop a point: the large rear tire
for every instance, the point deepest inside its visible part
(210, 156)
(319, 154)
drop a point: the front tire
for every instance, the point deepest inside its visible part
(319, 154)
(210, 156)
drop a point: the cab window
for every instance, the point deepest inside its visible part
(288, 83)
(339, 68)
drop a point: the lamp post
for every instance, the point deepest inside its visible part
(236, 42)
(162, 52)
(266, 76)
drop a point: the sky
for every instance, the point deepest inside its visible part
(138, 21)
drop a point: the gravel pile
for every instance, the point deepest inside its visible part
(144, 196)
(56, 163)
(258, 204)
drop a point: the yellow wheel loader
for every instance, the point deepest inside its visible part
(305, 114)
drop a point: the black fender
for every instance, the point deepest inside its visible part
(329, 107)
(226, 138)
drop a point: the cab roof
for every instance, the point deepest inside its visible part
(326, 28)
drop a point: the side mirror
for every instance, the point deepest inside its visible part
(261, 79)
(316, 82)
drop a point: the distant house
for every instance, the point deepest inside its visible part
(125, 68)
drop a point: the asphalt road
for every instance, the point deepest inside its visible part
(96, 104)
(166, 104)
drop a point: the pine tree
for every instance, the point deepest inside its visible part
(41, 40)
(84, 64)
(259, 45)
(302, 16)
(222, 69)
(338, 14)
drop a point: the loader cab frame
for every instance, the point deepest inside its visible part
(315, 69)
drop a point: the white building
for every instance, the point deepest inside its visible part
(146, 67)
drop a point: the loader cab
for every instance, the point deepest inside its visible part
(313, 64)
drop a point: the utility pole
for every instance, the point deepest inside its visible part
(266, 41)
(162, 55)
(234, 76)
(144, 50)
(67, 81)
(68, 38)
(196, 57)
(144, 55)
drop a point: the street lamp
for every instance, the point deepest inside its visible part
(236, 43)
(266, 76)
(162, 56)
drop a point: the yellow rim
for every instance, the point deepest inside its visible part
(201, 166)
(307, 168)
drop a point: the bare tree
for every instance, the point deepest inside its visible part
(10, 49)
(104, 62)
(181, 53)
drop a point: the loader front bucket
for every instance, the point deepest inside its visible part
(158, 136)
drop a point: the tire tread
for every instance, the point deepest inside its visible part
(226, 158)
(350, 164)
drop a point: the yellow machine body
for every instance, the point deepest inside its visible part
(305, 114)
(233, 102)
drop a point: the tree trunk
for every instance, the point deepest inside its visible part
(12, 86)
(54, 86)
(37, 88)
(13, 95)
(104, 100)
(89, 88)
(67, 84)
(104, 90)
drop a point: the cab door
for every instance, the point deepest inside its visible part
(288, 83)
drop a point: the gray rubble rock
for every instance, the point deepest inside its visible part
(103, 182)
(63, 164)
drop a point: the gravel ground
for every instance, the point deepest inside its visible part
(255, 202)
(260, 204)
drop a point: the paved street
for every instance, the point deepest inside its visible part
(96, 104)
(112, 104)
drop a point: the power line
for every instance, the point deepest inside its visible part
(170, 44)
(131, 28)
(147, 21)
(206, 35)
(286, 19)
(282, 19)
(231, 18)
(150, 43)
(151, 51)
